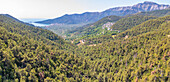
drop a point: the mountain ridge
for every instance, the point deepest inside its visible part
(90, 17)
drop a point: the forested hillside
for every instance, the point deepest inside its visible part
(141, 56)
(31, 54)
(129, 22)
(106, 30)
(150, 25)
(24, 59)
(141, 53)
(103, 29)
(159, 13)
(97, 29)
(38, 34)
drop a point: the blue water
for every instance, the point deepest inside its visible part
(38, 24)
(33, 20)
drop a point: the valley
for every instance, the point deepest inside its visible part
(121, 44)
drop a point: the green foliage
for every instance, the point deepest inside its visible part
(129, 22)
(158, 13)
(150, 25)
(24, 59)
(138, 54)
(38, 34)
(94, 30)
(143, 56)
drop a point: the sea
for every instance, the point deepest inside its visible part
(33, 20)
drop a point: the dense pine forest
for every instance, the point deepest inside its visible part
(133, 48)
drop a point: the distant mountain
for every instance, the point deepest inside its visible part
(90, 17)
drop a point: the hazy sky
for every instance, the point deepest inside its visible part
(56, 8)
